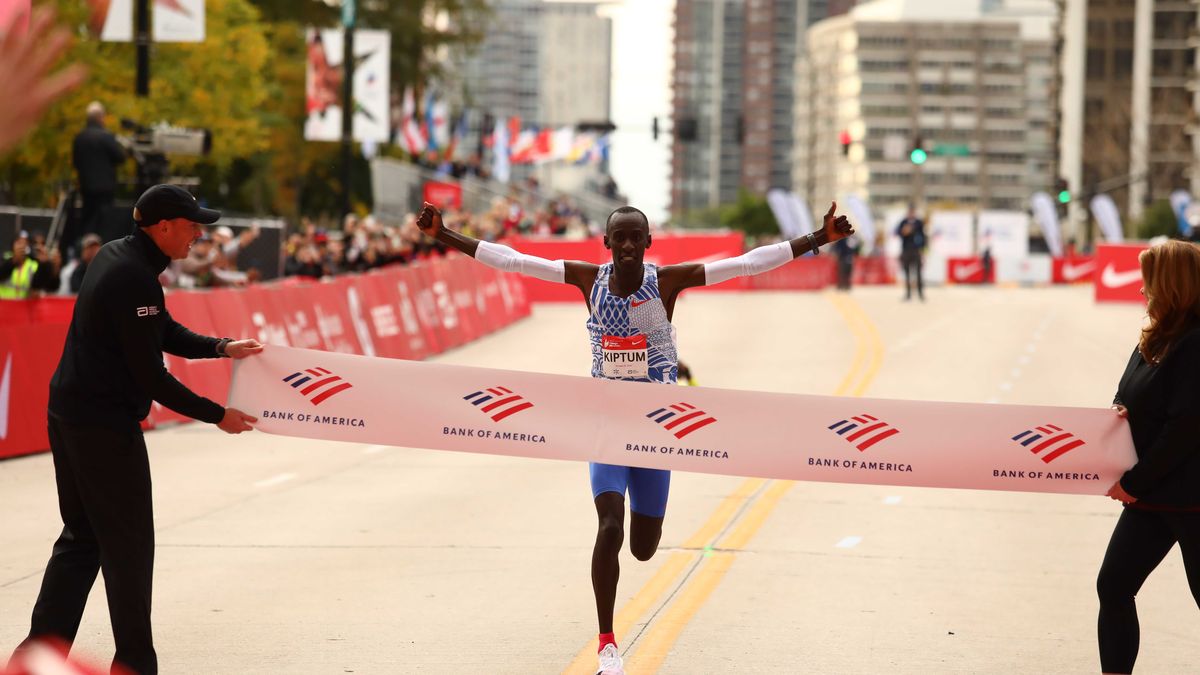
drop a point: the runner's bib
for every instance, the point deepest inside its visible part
(625, 358)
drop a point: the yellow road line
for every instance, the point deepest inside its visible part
(654, 646)
(860, 349)
(652, 651)
(669, 572)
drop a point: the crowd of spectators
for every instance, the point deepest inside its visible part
(362, 244)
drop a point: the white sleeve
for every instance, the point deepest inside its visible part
(505, 259)
(761, 259)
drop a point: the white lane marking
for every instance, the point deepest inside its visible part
(275, 480)
(849, 542)
(1006, 386)
(894, 499)
(372, 449)
(1031, 348)
(1015, 374)
(1024, 360)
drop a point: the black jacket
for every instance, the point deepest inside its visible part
(112, 363)
(96, 155)
(1164, 418)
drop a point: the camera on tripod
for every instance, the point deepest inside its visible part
(150, 146)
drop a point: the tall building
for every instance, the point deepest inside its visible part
(965, 82)
(1128, 100)
(733, 95)
(549, 63)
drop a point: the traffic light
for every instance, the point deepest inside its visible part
(1063, 191)
(844, 138)
(654, 129)
(918, 155)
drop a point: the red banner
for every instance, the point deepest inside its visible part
(968, 271)
(443, 195)
(1118, 275)
(804, 274)
(28, 356)
(1074, 270)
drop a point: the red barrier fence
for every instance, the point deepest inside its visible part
(407, 312)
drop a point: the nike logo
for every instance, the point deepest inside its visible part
(1111, 278)
(5, 390)
(635, 303)
(965, 272)
(1075, 272)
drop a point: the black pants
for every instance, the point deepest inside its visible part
(911, 262)
(1139, 543)
(103, 478)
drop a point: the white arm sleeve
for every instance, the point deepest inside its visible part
(505, 259)
(761, 259)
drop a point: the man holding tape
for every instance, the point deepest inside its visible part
(630, 305)
(110, 371)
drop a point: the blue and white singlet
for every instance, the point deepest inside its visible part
(631, 337)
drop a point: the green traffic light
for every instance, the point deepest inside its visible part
(918, 156)
(1064, 197)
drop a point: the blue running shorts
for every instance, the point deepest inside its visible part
(647, 488)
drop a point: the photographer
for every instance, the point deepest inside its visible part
(96, 155)
(25, 269)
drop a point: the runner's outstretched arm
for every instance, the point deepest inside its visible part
(504, 258)
(759, 260)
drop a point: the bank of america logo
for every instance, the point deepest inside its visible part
(1048, 437)
(681, 419)
(498, 402)
(863, 431)
(318, 384)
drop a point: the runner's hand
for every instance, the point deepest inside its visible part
(430, 220)
(836, 227)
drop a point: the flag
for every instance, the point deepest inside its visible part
(500, 165)
(561, 143)
(522, 147)
(411, 140)
(456, 137)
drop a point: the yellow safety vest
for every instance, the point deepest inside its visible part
(17, 286)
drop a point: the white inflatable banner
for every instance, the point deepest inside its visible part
(863, 221)
(801, 215)
(781, 208)
(1047, 216)
(1105, 211)
(359, 399)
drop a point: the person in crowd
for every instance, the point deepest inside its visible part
(96, 155)
(89, 247)
(911, 231)
(26, 270)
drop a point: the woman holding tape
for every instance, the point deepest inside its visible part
(1160, 394)
(630, 305)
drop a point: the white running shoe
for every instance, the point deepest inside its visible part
(610, 661)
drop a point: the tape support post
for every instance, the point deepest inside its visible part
(361, 399)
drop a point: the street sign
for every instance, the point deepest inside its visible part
(952, 150)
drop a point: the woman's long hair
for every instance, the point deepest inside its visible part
(1171, 282)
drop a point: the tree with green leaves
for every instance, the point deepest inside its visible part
(217, 84)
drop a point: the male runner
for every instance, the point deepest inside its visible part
(630, 305)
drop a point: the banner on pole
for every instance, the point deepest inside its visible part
(323, 395)
(323, 85)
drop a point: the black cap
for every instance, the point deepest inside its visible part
(168, 202)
